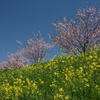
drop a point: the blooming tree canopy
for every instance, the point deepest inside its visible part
(36, 49)
(80, 34)
(14, 60)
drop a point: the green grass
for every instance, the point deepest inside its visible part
(74, 77)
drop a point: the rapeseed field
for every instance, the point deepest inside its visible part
(67, 77)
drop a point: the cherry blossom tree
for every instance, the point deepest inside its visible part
(36, 49)
(14, 61)
(80, 34)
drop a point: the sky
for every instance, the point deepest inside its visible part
(20, 19)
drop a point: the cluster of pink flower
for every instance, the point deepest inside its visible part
(80, 34)
(14, 61)
(34, 51)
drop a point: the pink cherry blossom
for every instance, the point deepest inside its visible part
(36, 49)
(80, 34)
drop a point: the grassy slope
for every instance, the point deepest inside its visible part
(63, 78)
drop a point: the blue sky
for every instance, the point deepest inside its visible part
(19, 19)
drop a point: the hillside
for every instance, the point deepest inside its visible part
(68, 77)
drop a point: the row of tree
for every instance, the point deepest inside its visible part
(77, 35)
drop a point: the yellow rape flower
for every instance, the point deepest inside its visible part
(86, 85)
(66, 98)
(55, 73)
(42, 82)
(61, 90)
(63, 61)
(58, 96)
